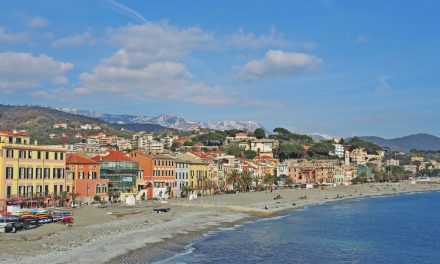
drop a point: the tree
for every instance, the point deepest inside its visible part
(246, 181)
(232, 132)
(361, 178)
(289, 150)
(370, 147)
(259, 133)
(321, 149)
(233, 149)
(285, 135)
(249, 154)
(269, 179)
(288, 181)
(234, 179)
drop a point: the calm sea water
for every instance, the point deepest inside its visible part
(395, 229)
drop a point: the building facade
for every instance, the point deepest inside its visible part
(86, 175)
(29, 171)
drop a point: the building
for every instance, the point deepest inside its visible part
(339, 150)
(315, 171)
(30, 172)
(181, 175)
(87, 182)
(157, 170)
(392, 162)
(283, 169)
(120, 170)
(153, 146)
(198, 172)
(61, 125)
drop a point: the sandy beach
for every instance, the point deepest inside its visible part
(119, 232)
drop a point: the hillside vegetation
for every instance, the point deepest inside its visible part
(39, 121)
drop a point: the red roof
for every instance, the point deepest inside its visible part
(78, 159)
(96, 158)
(12, 133)
(116, 156)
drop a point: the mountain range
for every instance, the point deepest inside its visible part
(173, 122)
(420, 141)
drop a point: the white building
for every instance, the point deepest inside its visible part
(339, 150)
(181, 175)
(153, 146)
(283, 168)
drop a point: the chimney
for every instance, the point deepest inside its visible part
(35, 142)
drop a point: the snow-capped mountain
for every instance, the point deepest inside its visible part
(167, 121)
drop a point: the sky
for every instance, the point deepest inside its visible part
(341, 68)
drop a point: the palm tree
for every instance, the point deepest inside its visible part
(234, 179)
(246, 181)
(288, 181)
(269, 179)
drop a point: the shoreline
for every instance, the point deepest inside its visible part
(168, 248)
(121, 233)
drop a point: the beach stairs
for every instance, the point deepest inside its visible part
(143, 193)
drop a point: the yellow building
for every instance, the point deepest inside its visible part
(198, 174)
(29, 171)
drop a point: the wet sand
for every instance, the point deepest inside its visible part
(122, 233)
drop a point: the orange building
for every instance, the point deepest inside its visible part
(87, 182)
(157, 169)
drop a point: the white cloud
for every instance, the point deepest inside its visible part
(146, 66)
(12, 37)
(363, 39)
(74, 40)
(38, 22)
(151, 42)
(126, 10)
(23, 70)
(277, 63)
(243, 39)
(159, 80)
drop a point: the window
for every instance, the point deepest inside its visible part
(46, 189)
(22, 172)
(9, 173)
(38, 173)
(104, 189)
(39, 188)
(10, 140)
(47, 155)
(39, 155)
(56, 155)
(81, 175)
(61, 189)
(54, 173)
(61, 156)
(8, 191)
(30, 154)
(10, 153)
(68, 189)
(98, 188)
(55, 189)
(29, 173)
(46, 173)
(18, 140)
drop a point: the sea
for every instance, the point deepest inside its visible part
(389, 229)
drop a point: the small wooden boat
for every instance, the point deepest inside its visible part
(67, 219)
(45, 220)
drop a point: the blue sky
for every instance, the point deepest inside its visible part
(341, 68)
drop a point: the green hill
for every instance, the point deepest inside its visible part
(39, 122)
